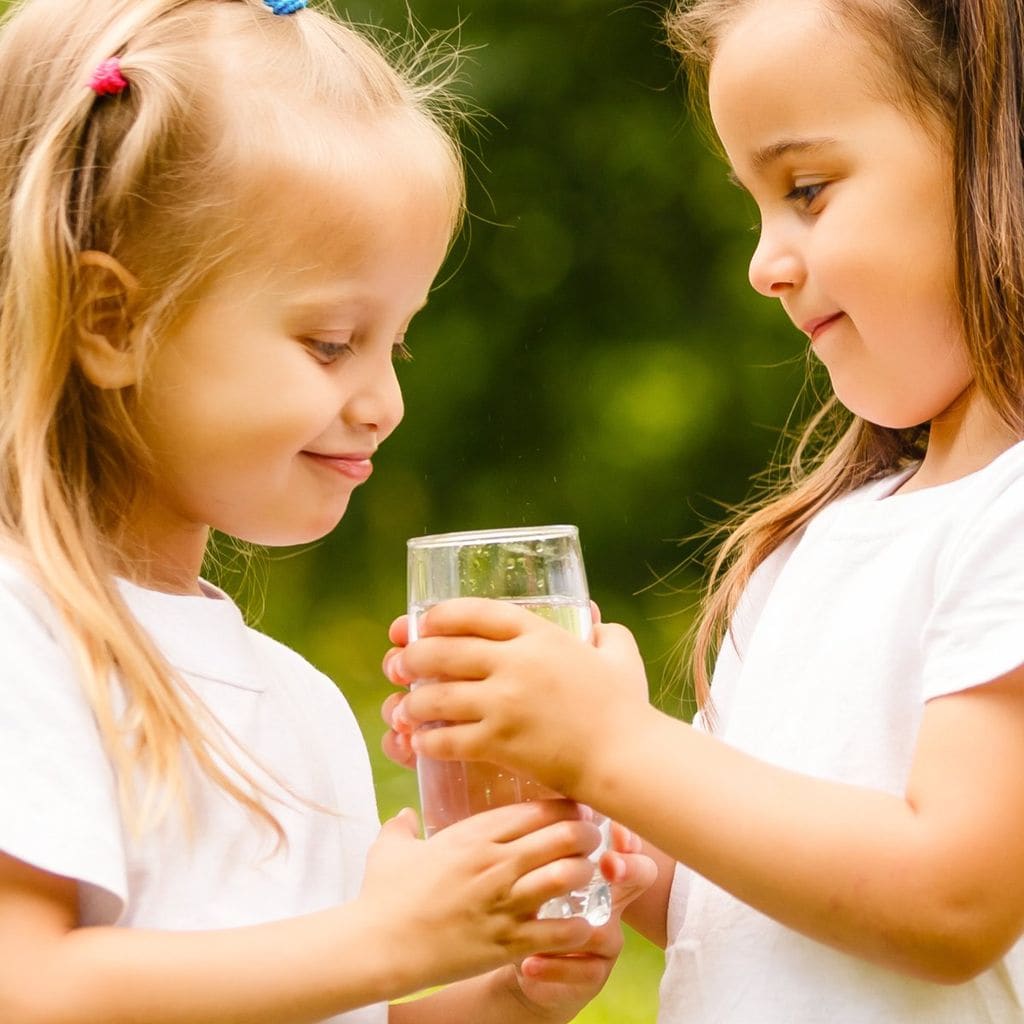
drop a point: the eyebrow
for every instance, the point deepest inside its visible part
(337, 307)
(767, 155)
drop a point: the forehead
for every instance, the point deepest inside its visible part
(346, 191)
(783, 62)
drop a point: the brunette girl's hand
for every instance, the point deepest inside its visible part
(558, 986)
(549, 702)
(396, 742)
(466, 900)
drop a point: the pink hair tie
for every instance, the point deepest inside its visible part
(107, 79)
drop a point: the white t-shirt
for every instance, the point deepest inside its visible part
(58, 800)
(884, 602)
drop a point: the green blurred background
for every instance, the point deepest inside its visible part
(593, 355)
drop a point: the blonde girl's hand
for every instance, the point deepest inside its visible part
(466, 900)
(558, 986)
(550, 700)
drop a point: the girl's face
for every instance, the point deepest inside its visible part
(855, 197)
(265, 404)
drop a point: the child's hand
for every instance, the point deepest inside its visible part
(550, 701)
(557, 987)
(466, 900)
(396, 742)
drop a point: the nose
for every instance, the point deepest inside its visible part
(375, 403)
(776, 266)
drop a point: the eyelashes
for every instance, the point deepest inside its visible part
(805, 195)
(329, 352)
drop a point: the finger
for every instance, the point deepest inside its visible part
(625, 841)
(397, 748)
(579, 969)
(605, 943)
(595, 613)
(514, 821)
(477, 616)
(393, 669)
(387, 710)
(616, 640)
(549, 881)
(563, 935)
(440, 702)
(404, 825)
(447, 657)
(567, 842)
(631, 875)
(398, 631)
(465, 741)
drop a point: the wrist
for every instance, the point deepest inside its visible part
(384, 931)
(616, 758)
(512, 1005)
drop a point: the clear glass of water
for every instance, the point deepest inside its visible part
(541, 569)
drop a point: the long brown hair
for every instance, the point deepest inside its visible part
(959, 63)
(149, 177)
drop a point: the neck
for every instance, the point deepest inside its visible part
(964, 439)
(159, 555)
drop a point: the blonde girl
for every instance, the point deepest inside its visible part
(843, 825)
(217, 219)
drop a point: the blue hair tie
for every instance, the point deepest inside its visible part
(285, 6)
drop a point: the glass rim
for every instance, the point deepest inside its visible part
(493, 536)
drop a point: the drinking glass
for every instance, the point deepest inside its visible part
(541, 569)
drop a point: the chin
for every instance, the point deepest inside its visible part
(285, 537)
(889, 417)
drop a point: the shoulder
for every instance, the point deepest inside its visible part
(299, 676)
(27, 612)
(986, 514)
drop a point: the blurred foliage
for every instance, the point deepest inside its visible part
(593, 354)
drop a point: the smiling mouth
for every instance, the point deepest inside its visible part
(815, 328)
(355, 467)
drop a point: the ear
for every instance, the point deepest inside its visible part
(103, 323)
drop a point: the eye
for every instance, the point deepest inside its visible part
(327, 352)
(804, 195)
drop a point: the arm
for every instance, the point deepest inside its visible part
(466, 903)
(926, 882)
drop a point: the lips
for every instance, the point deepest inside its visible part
(814, 328)
(355, 467)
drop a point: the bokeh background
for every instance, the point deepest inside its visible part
(593, 354)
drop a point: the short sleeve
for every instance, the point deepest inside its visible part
(58, 796)
(975, 633)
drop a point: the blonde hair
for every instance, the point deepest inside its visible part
(148, 177)
(961, 65)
